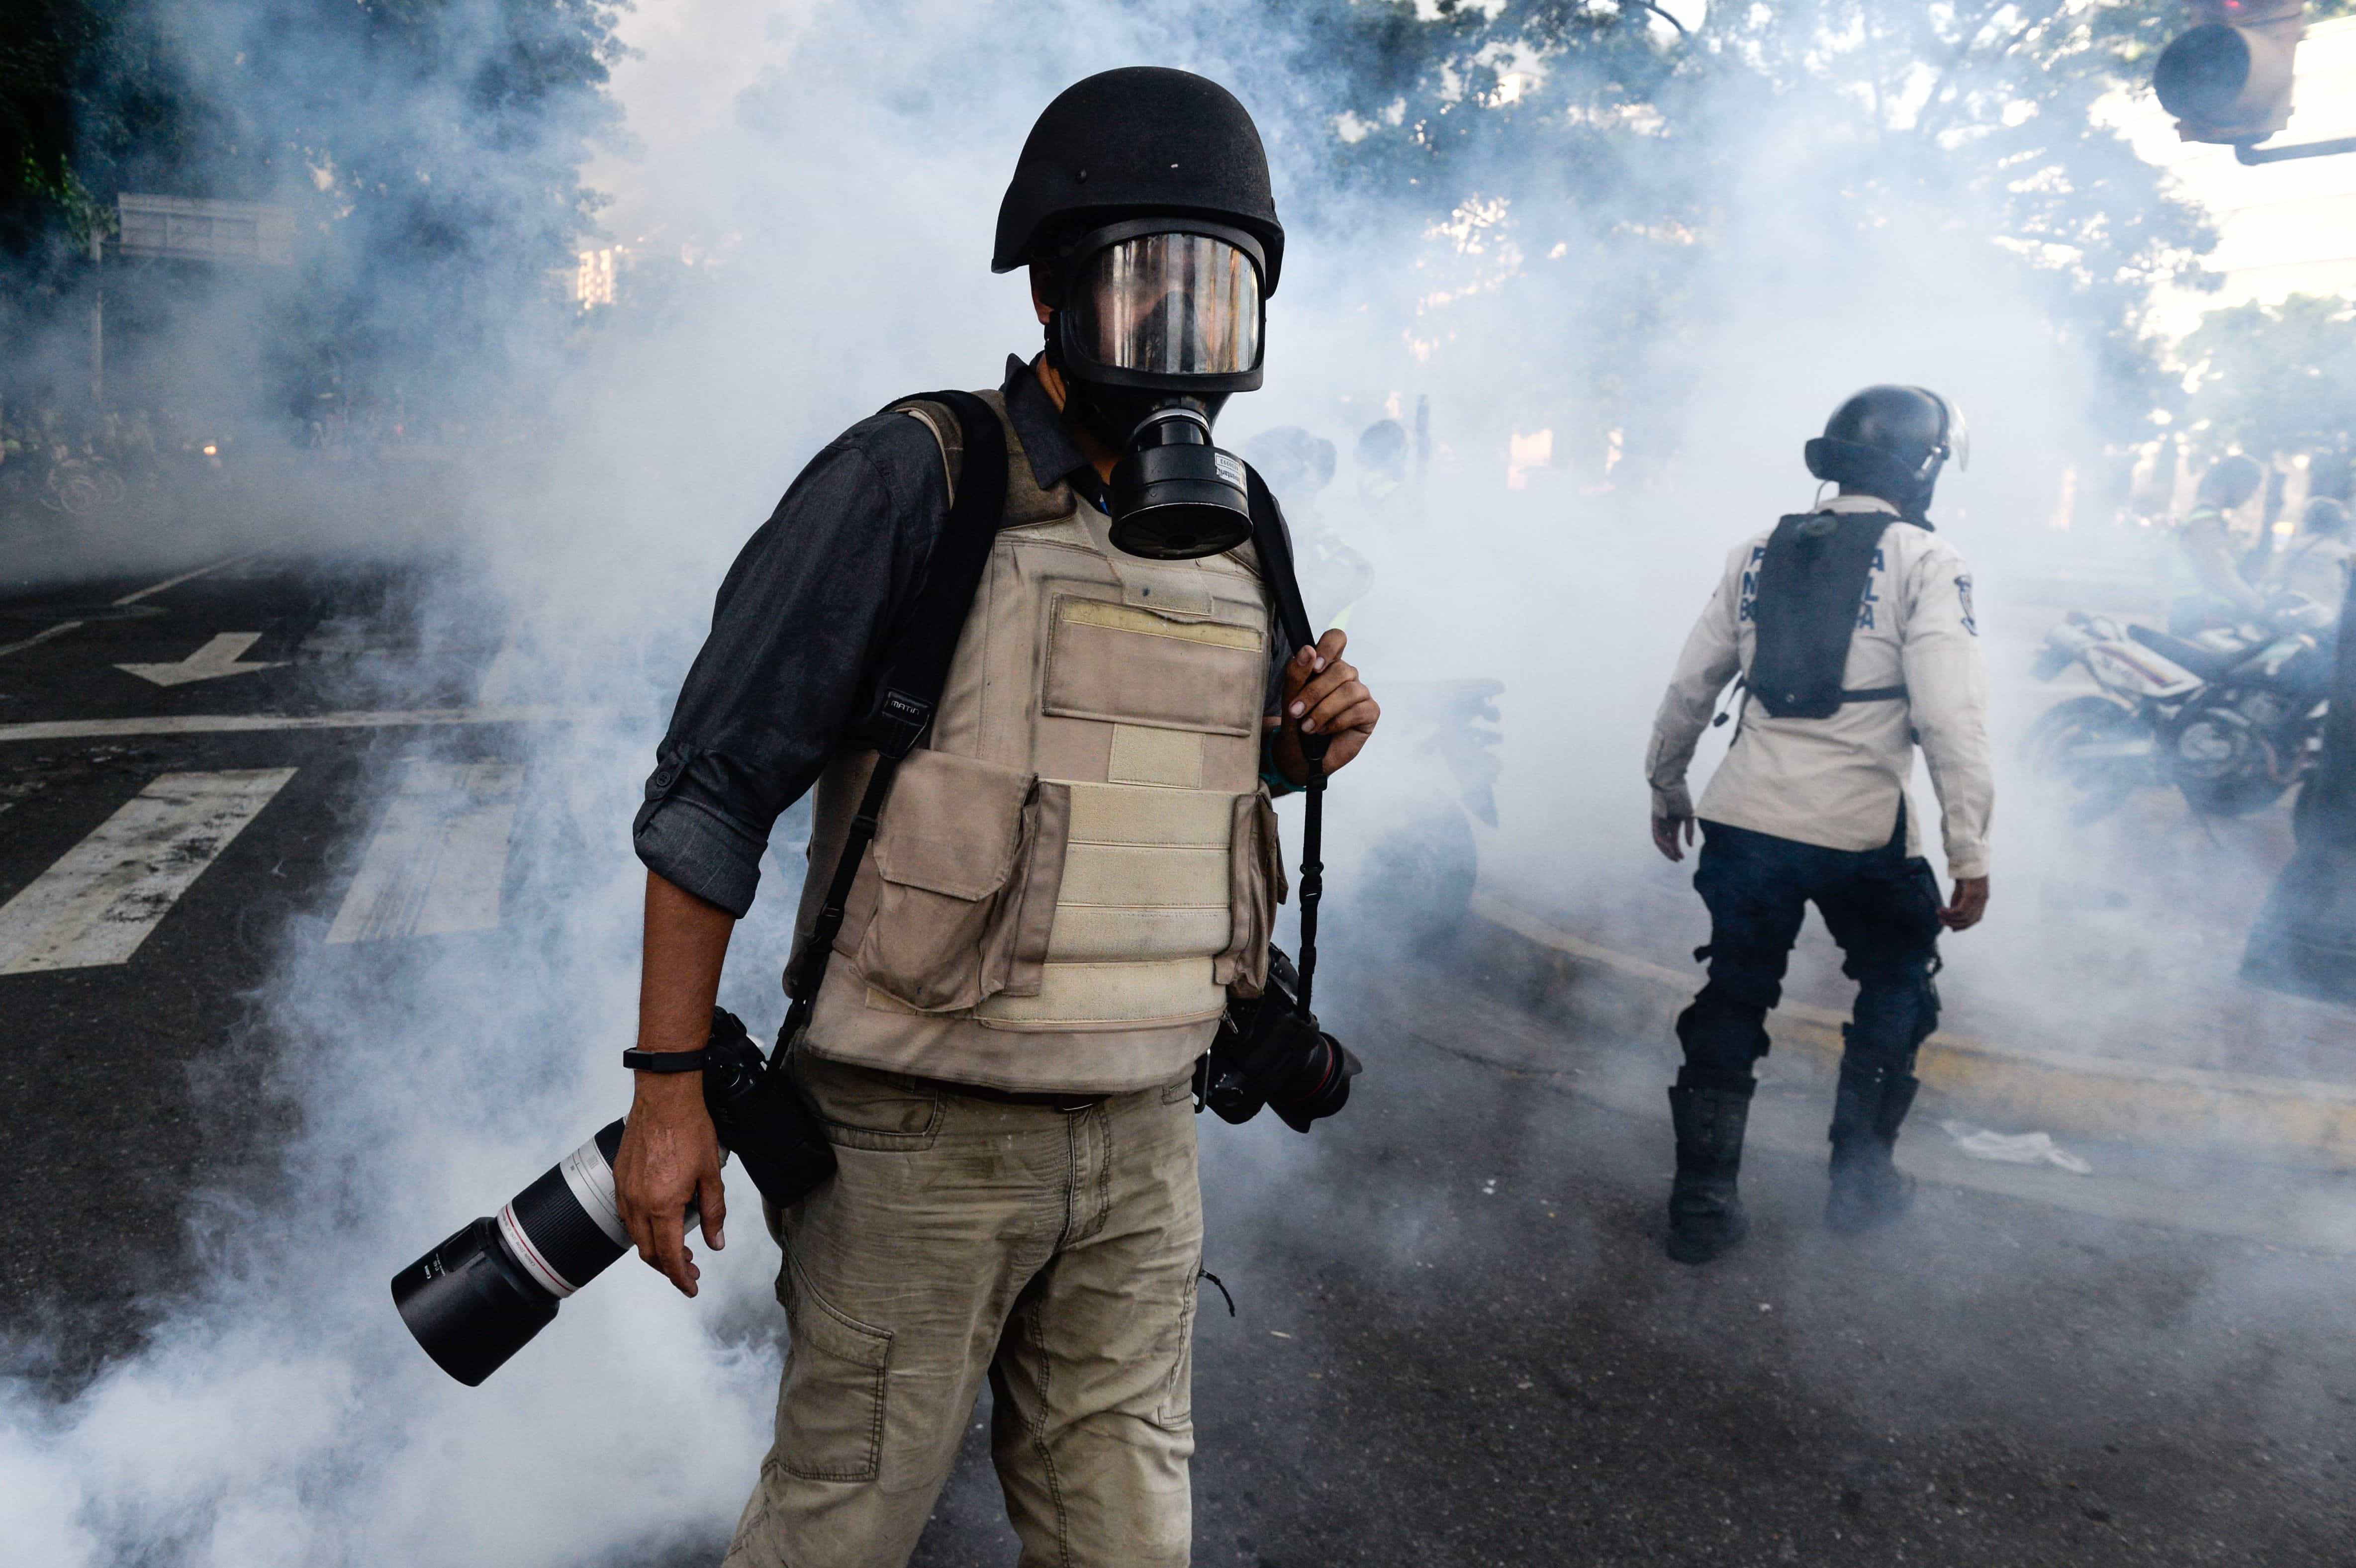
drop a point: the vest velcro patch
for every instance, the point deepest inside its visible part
(1128, 618)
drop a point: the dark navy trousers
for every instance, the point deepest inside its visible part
(1883, 907)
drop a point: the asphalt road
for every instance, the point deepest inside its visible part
(1457, 1341)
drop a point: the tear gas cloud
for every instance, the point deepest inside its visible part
(806, 193)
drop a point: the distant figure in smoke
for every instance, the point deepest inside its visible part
(2317, 563)
(1298, 466)
(2211, 590)
(1070, 875)
(1383, 469)
(1852, 627)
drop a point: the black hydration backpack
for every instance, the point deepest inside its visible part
(1811, 585)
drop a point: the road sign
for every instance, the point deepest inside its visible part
(184, 229)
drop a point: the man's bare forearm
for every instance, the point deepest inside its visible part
(686, 942)
(670, 1156)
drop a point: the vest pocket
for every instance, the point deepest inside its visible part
(1256, 885)
(950, 858)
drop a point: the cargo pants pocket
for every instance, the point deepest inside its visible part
(830, 1403)
(947, 853)
(1256, 885)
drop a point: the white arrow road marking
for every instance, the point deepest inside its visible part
(437, 861)
(216, 659)
(100, 902)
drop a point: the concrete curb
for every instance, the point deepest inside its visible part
(2281, 1120)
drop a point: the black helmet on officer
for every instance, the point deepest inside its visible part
(1141, 203)
(2231, 480)
(1293, 462)
(1891, 442)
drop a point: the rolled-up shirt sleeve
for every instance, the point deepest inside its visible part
(800, 617)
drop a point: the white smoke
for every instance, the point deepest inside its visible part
(811, 202)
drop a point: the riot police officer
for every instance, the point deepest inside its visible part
(2317, 565)
(1852, 628)
(2210, 588)
(1068, 877)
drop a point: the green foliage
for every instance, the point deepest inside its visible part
(83, 215)
(432, 149)
(2274, 379)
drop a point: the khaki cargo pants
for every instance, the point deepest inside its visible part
(1056, 1251)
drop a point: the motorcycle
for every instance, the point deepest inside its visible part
(2232, 718)
(1423, 859)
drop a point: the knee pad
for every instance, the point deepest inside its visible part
(1722, 1035)
(1894, 1014)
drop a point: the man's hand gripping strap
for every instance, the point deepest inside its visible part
(1274, 547)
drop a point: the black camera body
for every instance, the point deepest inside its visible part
(1270, 1052)
(479, 1297)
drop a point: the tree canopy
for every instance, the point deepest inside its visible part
(1599, 146)
(431, 149)
(2273, 378)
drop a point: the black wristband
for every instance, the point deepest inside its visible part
(664, 1060)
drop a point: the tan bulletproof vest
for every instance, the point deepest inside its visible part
(1082, 859)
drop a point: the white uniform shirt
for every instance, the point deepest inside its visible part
(2317, 567)
(1838, 782)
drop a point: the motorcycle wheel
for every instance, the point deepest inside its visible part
(79, 496)
(2073, 748)
(2223, 765)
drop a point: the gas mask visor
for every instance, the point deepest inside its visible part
(1161, 320)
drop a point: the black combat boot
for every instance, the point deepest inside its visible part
(1705, 1212)
(1868, 1188)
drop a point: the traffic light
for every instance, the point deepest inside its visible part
(2228, 79)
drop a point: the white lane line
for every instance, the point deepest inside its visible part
(244, 723)
(133, 598)
(96, 905)
(59, 630)
(217, 658)
(437, 861)
(62, 627)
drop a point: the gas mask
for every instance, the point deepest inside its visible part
(1153, 323)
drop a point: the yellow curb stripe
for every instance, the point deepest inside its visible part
(2062, 1092)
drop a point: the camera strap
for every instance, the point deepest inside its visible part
(1273, 544)
(915, 668)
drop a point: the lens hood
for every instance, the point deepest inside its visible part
(469, 1304)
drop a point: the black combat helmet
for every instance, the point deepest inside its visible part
(2231, 480)
(1143, 140)
(1891, 442)
(1295, 464)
